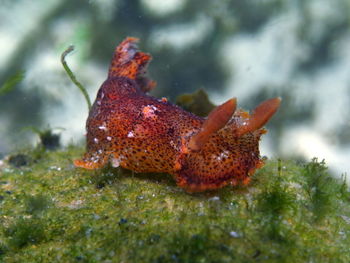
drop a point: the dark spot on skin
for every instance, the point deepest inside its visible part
(171, 131)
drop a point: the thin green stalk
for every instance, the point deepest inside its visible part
(72, 76)
(11, 82)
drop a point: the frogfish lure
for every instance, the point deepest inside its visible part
(139, 132)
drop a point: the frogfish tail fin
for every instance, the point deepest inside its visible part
(129, 62)
(217, 119)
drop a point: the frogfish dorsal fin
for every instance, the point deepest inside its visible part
(129, 62)
(216, 120)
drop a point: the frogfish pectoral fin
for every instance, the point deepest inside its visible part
(217, 119)
(91, 162)
(183, 181)
(260, 116)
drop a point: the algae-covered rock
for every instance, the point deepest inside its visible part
(54, 212)
(197, 102)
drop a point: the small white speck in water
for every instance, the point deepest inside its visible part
(346, 219)
(55, 168)
(76, 204)
(214, 198)
(96, 217)
(109, 138)
(95, 140)
(234, 234)
(88, 232)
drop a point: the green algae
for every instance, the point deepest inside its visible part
(54, 212)
(11, 82)
(73, 77)
(197, 103)
(49, 138)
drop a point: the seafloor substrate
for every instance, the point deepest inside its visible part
(53, 212)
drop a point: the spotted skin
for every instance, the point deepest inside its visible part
(139, 132)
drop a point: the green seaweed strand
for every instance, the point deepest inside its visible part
(72, 76)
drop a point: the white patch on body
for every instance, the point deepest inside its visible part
(104, 128)
(131, 134)
(149, 111)
(116, 162)
(223, 155)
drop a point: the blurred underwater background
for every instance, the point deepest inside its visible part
(252, 50)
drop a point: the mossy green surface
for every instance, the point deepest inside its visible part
(197, 102)
(53, 212)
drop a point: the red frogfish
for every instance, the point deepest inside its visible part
(131, 129)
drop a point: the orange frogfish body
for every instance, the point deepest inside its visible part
(139, 132)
